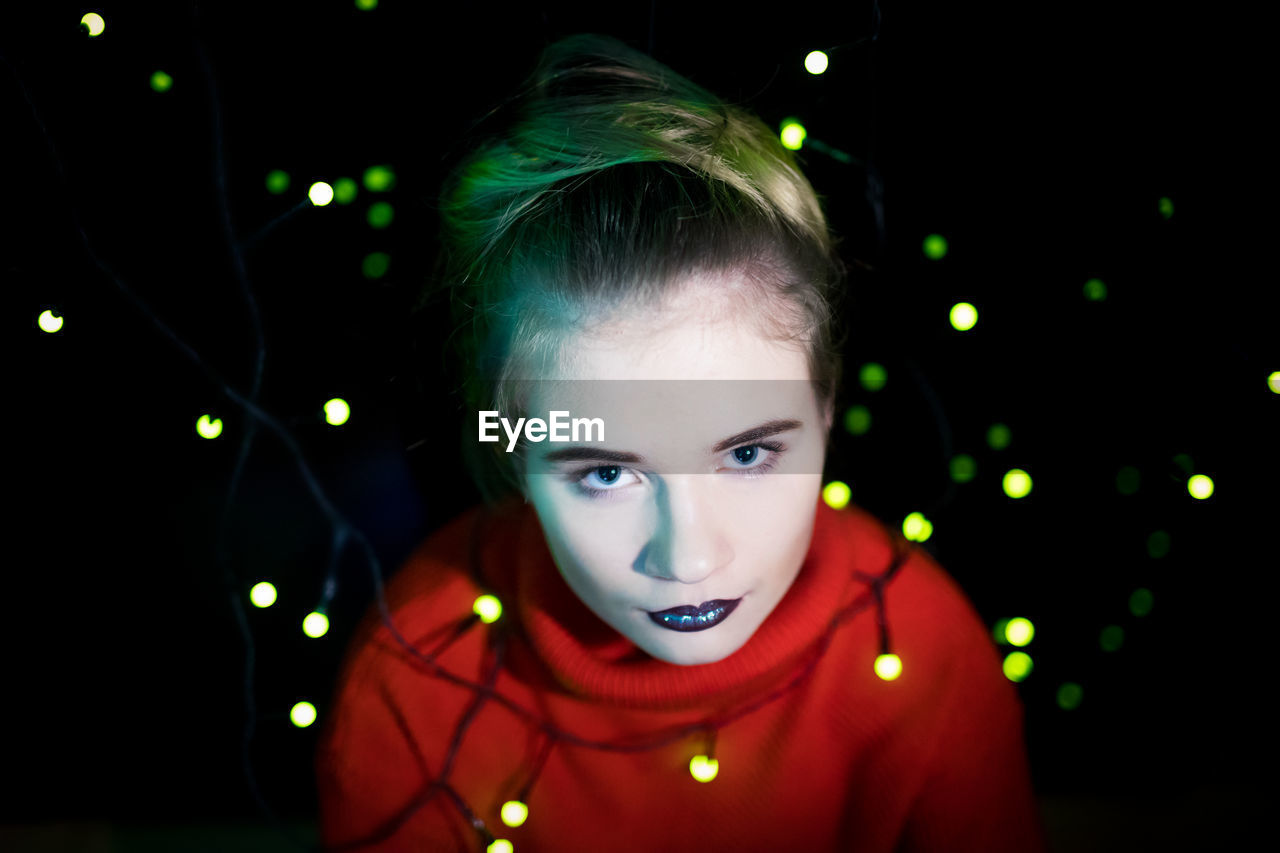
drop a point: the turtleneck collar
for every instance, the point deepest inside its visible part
(590, 660)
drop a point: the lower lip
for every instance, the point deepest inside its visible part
(708, 616)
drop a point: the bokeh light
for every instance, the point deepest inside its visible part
(857, 420)
(316, 624)
(263, 594)
(888, 667)
(379, 179)
(161, 82)
(1095, 290)
(1158, 544)
(916, 527)
(337, 412)
(1200, 487)
(1273, 382)
(375, 264)
(963, 316)
(514, 812)
(872, 376)
(207, 427)
(1070, 695)
(1141, 602)
(303, 714)
(345, 190)
(703, 769)
(1111, 638)
(816, 62)
(963, 468)
(320, 194)
(488, 608)
(94, 23)
(1166, 207)
(792, 134)
(499, 845)
(999, 436)
(1128, 479)
(49, 321)
(1017, 483)
(380, 214)
(277, 181)
(1017, 666)
(836, 494)
(935, 247)
(1019, 631)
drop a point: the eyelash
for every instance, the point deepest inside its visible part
(775, 454)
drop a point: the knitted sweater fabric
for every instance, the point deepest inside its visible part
(437, 723)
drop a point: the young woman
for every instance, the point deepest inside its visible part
(693, 649)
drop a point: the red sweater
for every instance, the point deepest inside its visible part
(815, 751)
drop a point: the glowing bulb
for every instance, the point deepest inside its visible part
(379, 179)
(1158, 544)
(998, 631)
(1200, 486)
(320, 193)
(1273, 382)
(365, 6)
(94, 23)
(935, 247)
(500, 845)
(303, 714)
(1017, 666)
(1111, 638)
(857, 420)
(207, 427)
(277, 181)
(836, 494)
(793, 134)
(872, 376)
(916, 527)
(1166, 207)
(815, 62)
(263, 594)
(1017, 483)
(1128, 480)
(375, 264)
(1141, 602)
(703, 769)
(337, 412)
(963, 316)
(316, 624)
(514, 812)
(345, 190)
(1019, 631)
(1069, 696)
(380, 215)
(999, 436)
(49, 321)
(888, 667)
(161, 82)
(963, 468)
(488, 608)
(1095, 290)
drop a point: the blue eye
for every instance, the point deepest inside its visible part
(604, 481)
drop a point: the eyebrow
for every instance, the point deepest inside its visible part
(580, 453)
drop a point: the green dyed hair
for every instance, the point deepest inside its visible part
(610, 180)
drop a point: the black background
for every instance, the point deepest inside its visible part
(1037, 138)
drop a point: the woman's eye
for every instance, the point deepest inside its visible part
(752, 456)
(605, 478)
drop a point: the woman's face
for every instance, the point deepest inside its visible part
(679, 506)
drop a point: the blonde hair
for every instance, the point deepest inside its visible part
(611, 179)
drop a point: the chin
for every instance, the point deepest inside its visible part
(691, 654)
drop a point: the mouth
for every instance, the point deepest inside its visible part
(686, 618)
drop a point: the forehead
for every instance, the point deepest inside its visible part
(704, 329)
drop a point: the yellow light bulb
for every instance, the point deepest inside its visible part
(888, 667)
(514, 812)
(488, 608)
(703, 769)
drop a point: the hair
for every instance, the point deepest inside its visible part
(611, 181)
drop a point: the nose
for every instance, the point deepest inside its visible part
(689, 544)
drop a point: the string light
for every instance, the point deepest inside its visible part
(514, 812)
(320, 194)
(302, 714)
(703, 769)
(207, 427)
(263, 594)
(488, 608)
(888, 666)
(315, 625)
(1019, 631)
(49, 321)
